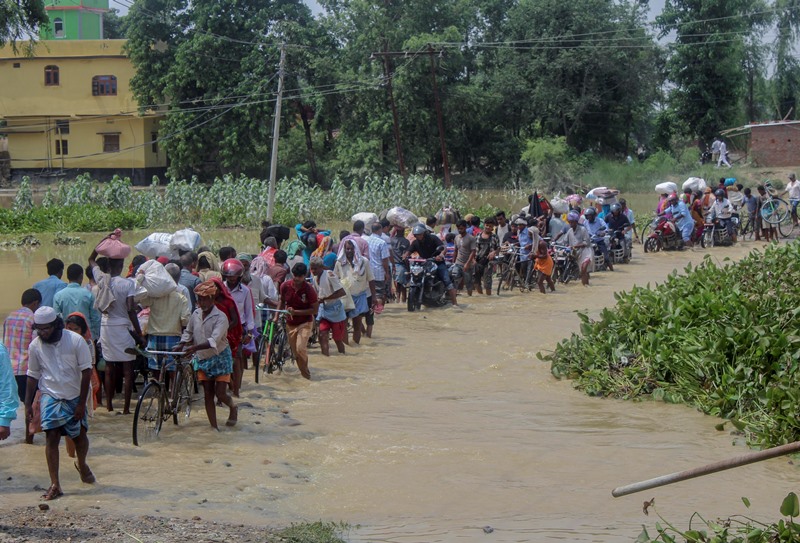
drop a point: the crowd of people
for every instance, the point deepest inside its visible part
(73, 345)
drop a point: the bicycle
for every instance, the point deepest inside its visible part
(747, 224)
(776, 211)
(509, 275)
(273, 345)
(155, 405)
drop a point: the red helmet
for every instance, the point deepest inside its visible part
(232, 268)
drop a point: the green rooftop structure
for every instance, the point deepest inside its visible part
(74, 20)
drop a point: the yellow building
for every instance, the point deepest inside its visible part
(69, 110)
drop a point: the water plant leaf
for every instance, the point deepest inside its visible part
(790, 506)
(746, 502)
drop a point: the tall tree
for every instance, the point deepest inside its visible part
(581, 69)
(787, 68)
(706, 60)
(20, 20)
(211, 66)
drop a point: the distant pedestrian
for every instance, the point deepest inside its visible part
(76, 298)
(723, 155)
(17, 337)
(9, 397)
(48, 287)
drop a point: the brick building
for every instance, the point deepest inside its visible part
(775, 143)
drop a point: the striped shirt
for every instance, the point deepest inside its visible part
(17, 337)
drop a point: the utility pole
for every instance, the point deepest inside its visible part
(439, 120)
(385, 55)
(276, 128)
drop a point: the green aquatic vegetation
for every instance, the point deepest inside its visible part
(737, 529)
(723, 338)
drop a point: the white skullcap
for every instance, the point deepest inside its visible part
(44, 315)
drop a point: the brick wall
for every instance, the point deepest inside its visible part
(777, 145)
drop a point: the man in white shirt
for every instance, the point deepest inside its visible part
(793, 191)
(723, 155)
(60, 364)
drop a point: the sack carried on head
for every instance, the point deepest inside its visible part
(153, 280)
(185, 240)
(155, 245)
(112, 247)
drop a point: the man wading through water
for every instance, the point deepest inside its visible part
(60, 364)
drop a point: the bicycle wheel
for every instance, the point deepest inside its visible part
(746, 227)
(260, 352)
(275, 360)
(182, 395)
(500, 269)
(148, 416)
(786, 226)
(775, 211)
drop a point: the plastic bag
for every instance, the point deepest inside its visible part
(447, 215)
(153, 280)
(112, 247)
(367, 218)
(668, 187)
(730, 181)
(185, 240)
(559, 205)
(694, 183)
(155, 245)
(401, 217)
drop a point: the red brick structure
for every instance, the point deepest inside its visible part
(775, 143)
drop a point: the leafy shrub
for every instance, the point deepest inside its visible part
(731, 352)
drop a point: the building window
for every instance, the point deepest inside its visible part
(104, 85)
(58, 28)
(62, 147)
(62, 127)
(51, 76)
(17, 65)
(154, 142)
(110, 143)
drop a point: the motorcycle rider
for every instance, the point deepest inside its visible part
(619, 225)
(681, 217)
(597, 229)
(721, 211)
(427, 245)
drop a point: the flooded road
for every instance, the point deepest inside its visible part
(443, 423)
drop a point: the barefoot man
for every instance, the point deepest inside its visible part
(60, 364)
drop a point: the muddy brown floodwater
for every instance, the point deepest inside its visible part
(443, 423)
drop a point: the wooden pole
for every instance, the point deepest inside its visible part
(722, 465)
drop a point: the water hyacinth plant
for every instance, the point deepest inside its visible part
(722, 338)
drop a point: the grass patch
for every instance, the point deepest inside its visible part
(314, 532)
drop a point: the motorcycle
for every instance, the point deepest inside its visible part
(424, 285)
(716, 234)
(664, 236)
(705, 156)
(619, 248)
(566, 268)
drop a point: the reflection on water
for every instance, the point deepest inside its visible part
(443, 424)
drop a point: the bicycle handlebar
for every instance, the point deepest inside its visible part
(262, 307)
